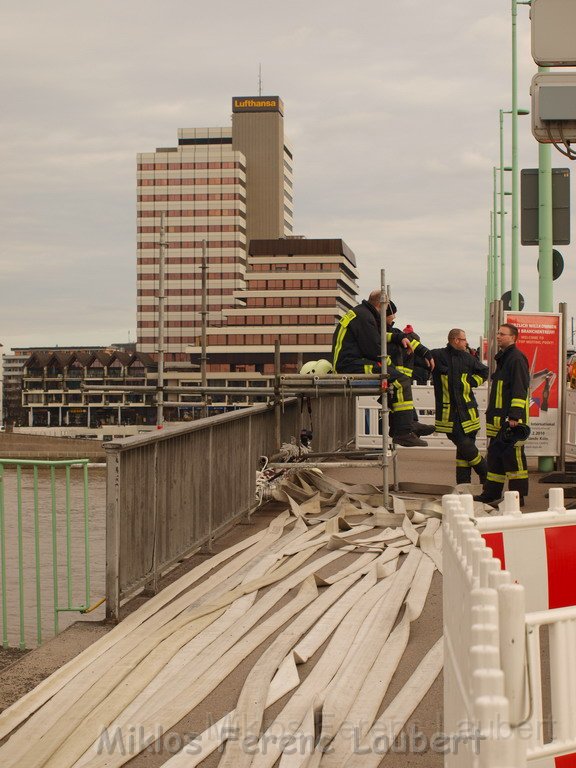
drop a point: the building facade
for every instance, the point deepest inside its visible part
(56, 387)
(223, 186)
(296, 288)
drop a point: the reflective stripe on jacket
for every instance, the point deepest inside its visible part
(510, 391)
(455, 375)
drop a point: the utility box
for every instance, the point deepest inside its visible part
(529, 229)
(553, 37)
(554, 106)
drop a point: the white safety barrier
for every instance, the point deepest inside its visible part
(368, 411)
(507, 580)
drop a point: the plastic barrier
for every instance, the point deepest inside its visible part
(494, 681)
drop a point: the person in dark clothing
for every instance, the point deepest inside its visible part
(507, 418)
(456, 374)
(356, 349)
(415, 366)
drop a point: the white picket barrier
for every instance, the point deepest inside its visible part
(368, 410)
(505, 578)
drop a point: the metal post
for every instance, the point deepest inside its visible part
(545, 242)
(502, 212)
(514, 303)
(563, 384)
(204, 319)
(277, 412)
(384, 299)
(161, 299)
(495, 234)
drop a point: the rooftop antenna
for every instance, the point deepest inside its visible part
(259, 79)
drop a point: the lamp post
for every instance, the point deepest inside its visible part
(495, 234)
(502, 207)
(515, 185)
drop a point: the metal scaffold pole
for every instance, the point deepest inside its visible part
(161, 299)
(204, 317)
(384, 386)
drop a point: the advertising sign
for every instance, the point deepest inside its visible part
(539, 339)
(257, 104)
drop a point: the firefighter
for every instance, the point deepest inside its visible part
(456, 374)
(416, 366)
(356, 349)
(507, 420)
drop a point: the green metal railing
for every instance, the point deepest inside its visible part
(40, 568)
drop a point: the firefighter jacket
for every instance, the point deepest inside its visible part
(356, 340)
(510, 390)
(456, 373)
(405, 361)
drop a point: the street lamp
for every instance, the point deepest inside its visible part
(515, 112)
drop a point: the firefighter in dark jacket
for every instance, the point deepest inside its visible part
(456, 374)
(507, 419)
(356, 349)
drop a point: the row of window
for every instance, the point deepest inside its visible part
(201, 196)
(283, 319)
(188, 166)
(289, 301)
(256, 339)
(215, 260)
(195, 181)
(289, 285)
(296, 266)
(196, 244)
(255, 320)
(193, 276)
(195, 228)
(192, 212)
(187, 292)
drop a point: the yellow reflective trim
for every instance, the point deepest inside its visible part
(407, 405)
(461, 463)
(367, 369)
(445, 397)
(348, 317)
(498, 401)
(518, 402)
(475, 461)
(338, 346)
(465, 387)
(414, 343)
(521, 475)
(478, 379)
(495, 478)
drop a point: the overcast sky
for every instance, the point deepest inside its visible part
(391, 109)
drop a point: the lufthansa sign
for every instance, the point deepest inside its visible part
(257, 104)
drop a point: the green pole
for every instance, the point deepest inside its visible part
(495, 233)
(545, 243)
(68, 537)
(37, 559)
(502, 211)
(487, 297)
(20, 554)
(54, 545)
(514, 303)
(86, 536)
(3, 563)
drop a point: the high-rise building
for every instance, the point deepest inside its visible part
(232, 188)
(222, 185)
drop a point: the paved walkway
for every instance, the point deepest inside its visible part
(415, 465)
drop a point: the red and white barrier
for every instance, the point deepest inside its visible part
(507, 579)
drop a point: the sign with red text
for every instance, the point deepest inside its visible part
(540, 340)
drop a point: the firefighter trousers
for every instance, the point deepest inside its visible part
(506, 461)
(468, 456)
